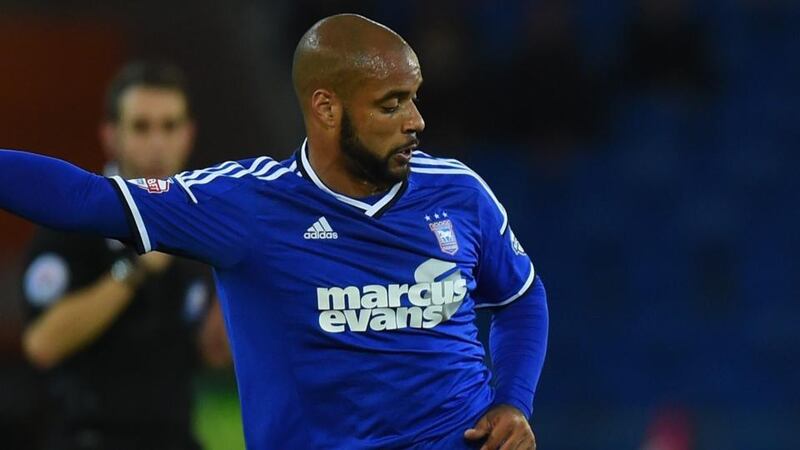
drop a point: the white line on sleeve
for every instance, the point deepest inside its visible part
(137, 217)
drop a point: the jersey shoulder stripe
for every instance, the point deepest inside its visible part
(194, 174)
(423, 163)
(261, 168)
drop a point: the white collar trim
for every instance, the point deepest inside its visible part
(368, 209)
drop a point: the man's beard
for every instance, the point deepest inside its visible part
(364, 164)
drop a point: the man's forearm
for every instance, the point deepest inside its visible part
(518, 343)
(59, 195)
(75, 321)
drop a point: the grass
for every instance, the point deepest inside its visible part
(217, 417)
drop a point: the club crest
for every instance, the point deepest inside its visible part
(446, 236)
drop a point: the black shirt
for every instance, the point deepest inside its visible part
(132, 386)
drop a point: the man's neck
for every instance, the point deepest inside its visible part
(332, 170)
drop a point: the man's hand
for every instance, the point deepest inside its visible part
(505, 428)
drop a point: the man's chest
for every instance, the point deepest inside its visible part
(326, 235)
(409, 268)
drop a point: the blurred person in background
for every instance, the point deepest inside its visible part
(22, 403)
(119, 335)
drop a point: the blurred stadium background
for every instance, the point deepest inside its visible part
(646, 151)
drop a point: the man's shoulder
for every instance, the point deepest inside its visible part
(440, 172)
(255, 172)
(451, 176)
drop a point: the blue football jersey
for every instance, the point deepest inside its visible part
(351, 320)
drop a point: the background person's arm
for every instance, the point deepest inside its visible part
(81, 317)
(213, 340)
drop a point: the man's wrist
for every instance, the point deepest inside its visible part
(127, 272)
(511, 403)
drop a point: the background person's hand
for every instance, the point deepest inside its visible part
(505, 428)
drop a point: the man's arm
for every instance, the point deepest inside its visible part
(58, 195)
(518, 343)
(507, 283)
(82, 316)
(211, 222)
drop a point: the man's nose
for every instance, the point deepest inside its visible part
(415, 123)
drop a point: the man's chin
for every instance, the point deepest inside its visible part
(400, 173)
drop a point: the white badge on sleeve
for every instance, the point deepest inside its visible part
(46, 279)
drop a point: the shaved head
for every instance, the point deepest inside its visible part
(341, 51)
(357, 82)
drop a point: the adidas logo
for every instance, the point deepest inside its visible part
(321, 230)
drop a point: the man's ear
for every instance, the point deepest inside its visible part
(107, 133)
(326, 108)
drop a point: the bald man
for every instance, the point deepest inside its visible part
(350, 273)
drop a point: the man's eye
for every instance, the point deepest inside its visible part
(170, 125)
(141, 126)
(391, 107)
